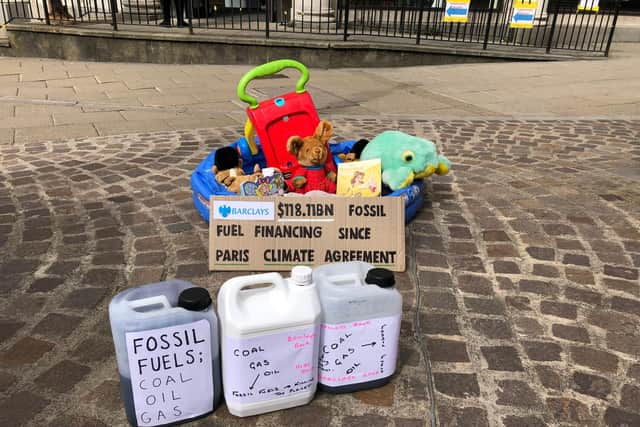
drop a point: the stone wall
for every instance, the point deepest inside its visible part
(122, 46)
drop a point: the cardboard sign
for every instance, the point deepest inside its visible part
(252, 233)
(589, 5)
(524, 12)
(456, 11)
(270, 366)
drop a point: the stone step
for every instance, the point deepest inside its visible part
(4, 39)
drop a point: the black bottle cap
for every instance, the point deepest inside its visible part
(381, 277)
(194, 299)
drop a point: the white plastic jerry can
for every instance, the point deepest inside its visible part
(269, 337)
(360, 328)
(166, 340)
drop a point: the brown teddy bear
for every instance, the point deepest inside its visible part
(354, 154)
(234, 177)
(227, 168)
(316, 169)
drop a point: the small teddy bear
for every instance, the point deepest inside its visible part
(228, 170)
(235, 177)
(355, 152)
(313, 171)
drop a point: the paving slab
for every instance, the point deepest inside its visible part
(6, 136)
(8, 91)
(92, 117)
(36, 84)
(7, 110)
(169, 99)
(66, 81)
(124, 101)
(133, 94)
(215, 107)
(9, 79)
(52, 133)
(150, 115)
(92, 96)
(198, 123)
(30, 109)
(120, 127)
(137, 82)
(35, 73)
(25, 122)
(49, 93)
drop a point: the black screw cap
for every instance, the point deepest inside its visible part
(194, 299)
(381, 277)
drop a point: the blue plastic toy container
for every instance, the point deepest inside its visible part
(204, 185)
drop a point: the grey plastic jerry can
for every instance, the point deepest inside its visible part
(167, 346)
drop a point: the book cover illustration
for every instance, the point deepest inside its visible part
(363, 178)
(271, 184)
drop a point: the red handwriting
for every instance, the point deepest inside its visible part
(357, 324)
(339, 379)
(333, 327)
(304, 368)
(302, 344)
(301, 337)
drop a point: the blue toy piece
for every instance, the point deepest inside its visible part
(204, 185)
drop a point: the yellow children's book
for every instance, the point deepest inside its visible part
(362, 178)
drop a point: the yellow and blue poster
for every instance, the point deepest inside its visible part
(524, 12)
(456, 11)
(589, 5)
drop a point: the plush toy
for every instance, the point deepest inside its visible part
(227, 167)
(227, 158)
(405, 158)
(355, 152)
(312, 171)
(234, 178)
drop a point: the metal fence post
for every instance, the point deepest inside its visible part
(613, 27)
(553, 25)
(346, 20)
(114, 17)
(190, 15)
(486, 34)
(419, 31)
(45, 8)
(267, 17)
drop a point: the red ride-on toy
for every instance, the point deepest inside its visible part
(277, 119)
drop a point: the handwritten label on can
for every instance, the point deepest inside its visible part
(359, 351)
(171, 373)
(270, 366)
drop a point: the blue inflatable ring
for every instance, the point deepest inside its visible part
(204, 185)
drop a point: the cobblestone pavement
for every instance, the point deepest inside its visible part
(522, 288)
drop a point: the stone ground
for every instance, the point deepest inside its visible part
(522, 295)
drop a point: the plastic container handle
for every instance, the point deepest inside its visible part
(144, 302)
(338, 280)
(236, 284)
(269, 69)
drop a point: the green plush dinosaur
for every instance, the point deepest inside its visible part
(405, 158)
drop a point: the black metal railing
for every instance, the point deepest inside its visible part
(558, 25)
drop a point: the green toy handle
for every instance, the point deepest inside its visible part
(269, 69)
